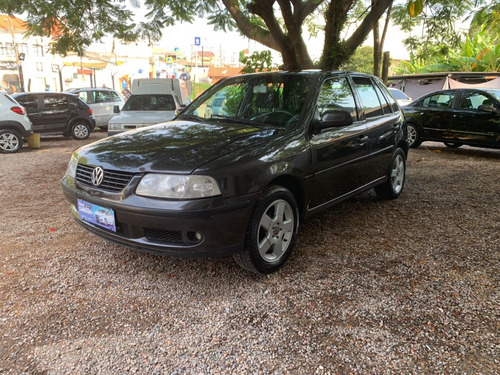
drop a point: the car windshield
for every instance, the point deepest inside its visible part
(272, 99)
(494, 93)
(150, 102)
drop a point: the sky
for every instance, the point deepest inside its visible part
(183, 35)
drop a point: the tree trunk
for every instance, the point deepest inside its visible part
(377, 48)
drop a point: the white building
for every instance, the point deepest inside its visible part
(25, 58)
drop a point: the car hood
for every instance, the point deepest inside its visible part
(176, 146)
(142, 117)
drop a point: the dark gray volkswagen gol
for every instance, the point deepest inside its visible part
(242, 166)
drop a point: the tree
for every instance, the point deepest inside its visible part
(277, 24)
(378, 42)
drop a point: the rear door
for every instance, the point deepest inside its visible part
(55, 112)
(103, 102)
(32, 103)
(382, 125)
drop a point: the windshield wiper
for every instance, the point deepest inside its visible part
(190, 117)
(239, 120)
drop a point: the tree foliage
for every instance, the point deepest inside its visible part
(277, 24)
(441, 47)
(258, 62)
(436, 22)
(360, 61)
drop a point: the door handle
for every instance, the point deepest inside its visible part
(362, 140)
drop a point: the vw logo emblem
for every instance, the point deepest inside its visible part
(97, 176)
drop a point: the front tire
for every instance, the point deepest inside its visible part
(10, 141)
(392, 188)
(271, 233)
(413, 139)
(80, 131)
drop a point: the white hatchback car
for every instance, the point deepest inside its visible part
(400, 96)
(102, 101)
(14, 124)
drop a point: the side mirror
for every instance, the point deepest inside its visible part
(179, 110)
(333, 119)
(116, 109)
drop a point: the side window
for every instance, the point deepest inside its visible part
(369, 98)
(102, 97)
(473, 100)
(84, 96)
(336, 95)
(383, 100)
(30, 103)
(114, 96)
(55, 103)
(439, 100)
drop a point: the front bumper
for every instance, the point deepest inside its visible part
(188, 229)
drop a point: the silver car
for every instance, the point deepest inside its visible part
(102, 101)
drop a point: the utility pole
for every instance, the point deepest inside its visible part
(16, 52)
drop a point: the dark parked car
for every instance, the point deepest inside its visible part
(456, 117)
(56, 112)
(282, 147)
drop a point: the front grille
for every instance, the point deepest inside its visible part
(168, 236)
(113, 181)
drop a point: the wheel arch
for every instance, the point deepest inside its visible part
(15, 126)
(295, 187)
(79, 119)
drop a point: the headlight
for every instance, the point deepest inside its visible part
(177, 187)
(71, 169)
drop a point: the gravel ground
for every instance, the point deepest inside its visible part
(408, 286)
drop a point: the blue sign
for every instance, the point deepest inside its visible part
(197, 40)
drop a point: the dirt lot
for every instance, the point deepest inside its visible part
(402, 287)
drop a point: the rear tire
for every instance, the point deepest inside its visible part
(413, 139)
(271, 233)
(392, 188)
(80, 130)
(10, 141)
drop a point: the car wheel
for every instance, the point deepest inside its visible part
(393, 187)
(80, 130)
(413, 139)
(10, 141)
(452, 144)
(271, 232)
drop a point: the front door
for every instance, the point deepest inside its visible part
(340, 154)
(473, 125)
(437, 119)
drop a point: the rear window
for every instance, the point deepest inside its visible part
(150, 102)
